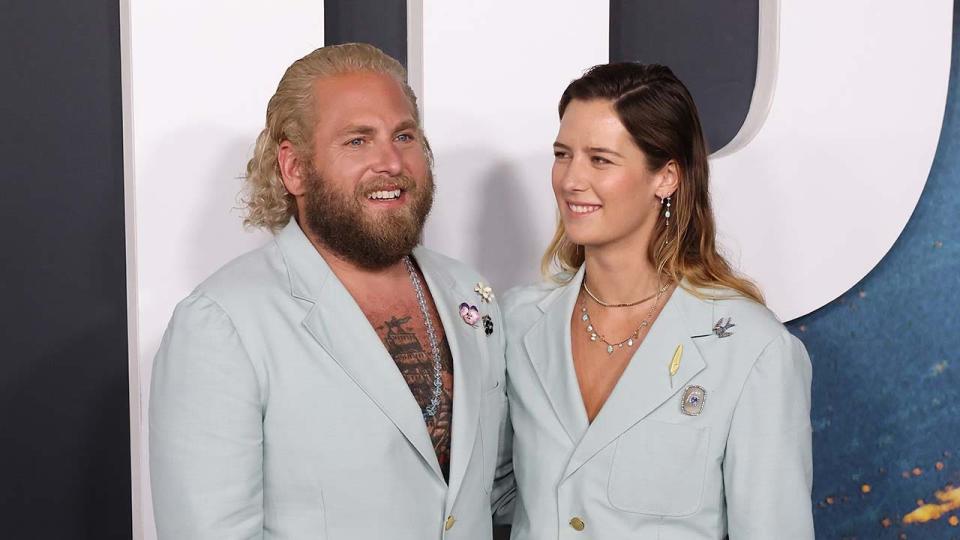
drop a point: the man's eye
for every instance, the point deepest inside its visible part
(355, 142)
(404, 137)
(600, 161)
(558, 154)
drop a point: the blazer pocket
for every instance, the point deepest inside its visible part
(492, 405)
(659, 469)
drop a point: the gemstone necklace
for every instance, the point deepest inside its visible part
(596, 335)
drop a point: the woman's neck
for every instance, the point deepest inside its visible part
(619, 274)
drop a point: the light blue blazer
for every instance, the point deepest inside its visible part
(276, 412)
(643, 468)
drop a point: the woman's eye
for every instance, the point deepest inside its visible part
(559, 154)
(600, 161)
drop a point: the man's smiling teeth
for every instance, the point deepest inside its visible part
(384, 195)
(583, 208)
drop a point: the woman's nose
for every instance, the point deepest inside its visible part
(574, 176)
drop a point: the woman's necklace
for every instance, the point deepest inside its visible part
(596, 335)
(604, 304)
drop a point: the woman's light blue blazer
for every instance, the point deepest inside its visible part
(644, 468)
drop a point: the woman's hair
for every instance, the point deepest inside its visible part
(291, 115)
(658, 112)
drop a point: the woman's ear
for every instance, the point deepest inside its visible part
(291, 169)
(668, 179)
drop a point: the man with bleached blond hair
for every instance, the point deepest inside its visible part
(341, 381)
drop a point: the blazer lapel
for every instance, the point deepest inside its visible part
(646, 382)
(548, 347)
(344, 332)
(468, 358)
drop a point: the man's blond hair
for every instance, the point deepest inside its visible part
(291, 115)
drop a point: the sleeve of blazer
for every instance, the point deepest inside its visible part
(767, 469)
(205, 429)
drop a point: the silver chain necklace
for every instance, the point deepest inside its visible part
(431, 409)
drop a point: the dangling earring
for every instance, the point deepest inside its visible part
(665, 203)
(666, 211)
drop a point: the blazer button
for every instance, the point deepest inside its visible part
(449, 523)
(577, 524)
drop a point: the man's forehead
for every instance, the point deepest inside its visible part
(359, 79)
(362, 99)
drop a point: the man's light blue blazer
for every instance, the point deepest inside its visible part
(277, 413)
(643, 468)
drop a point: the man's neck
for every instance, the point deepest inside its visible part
(357, 278)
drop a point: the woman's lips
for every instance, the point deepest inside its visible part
(582, 209)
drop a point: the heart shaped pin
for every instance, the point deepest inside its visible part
(469, 314)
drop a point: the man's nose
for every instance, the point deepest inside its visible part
(389, 160)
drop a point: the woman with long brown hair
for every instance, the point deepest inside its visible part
(652, 395)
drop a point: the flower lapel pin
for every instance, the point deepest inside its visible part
(469, 314)
(487, 325)
(485, 292)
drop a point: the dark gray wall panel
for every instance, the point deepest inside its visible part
(711, 46)
(380, 22)
(65, 440)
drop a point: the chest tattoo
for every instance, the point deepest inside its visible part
(405, 338)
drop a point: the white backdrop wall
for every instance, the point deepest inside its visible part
(490, 89)
(199, 77)
(810, 195)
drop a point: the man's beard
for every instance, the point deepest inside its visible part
(339, 221)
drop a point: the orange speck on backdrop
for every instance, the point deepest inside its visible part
(949, 501)
(865, 488)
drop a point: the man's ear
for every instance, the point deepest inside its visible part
(668, 179)
(291, 169)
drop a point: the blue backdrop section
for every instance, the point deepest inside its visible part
(886, 383)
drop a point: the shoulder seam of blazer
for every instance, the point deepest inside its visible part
(753, 366)
(263, 392)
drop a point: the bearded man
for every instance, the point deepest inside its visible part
(341, 381)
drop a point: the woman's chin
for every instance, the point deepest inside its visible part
(585, 240)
